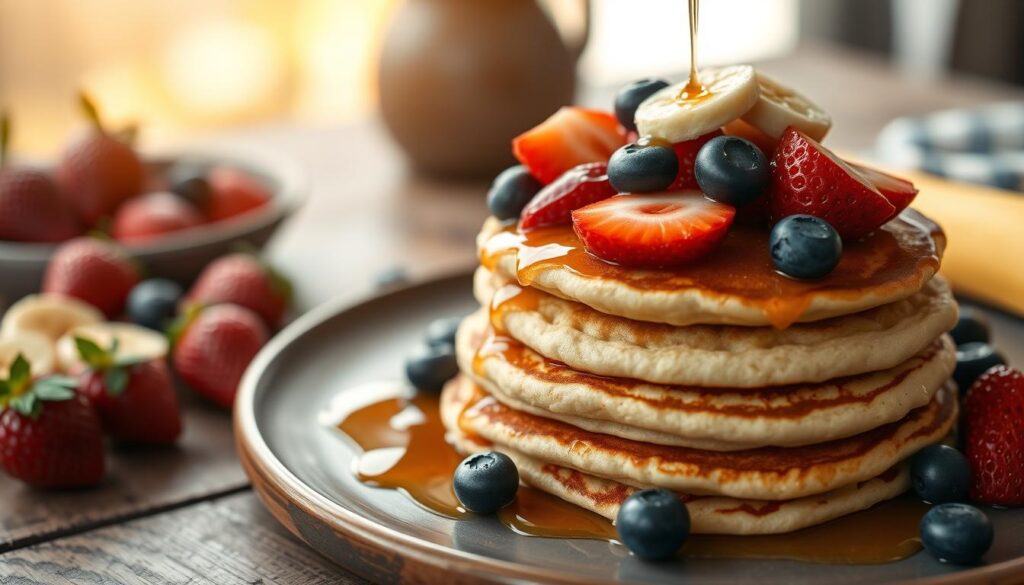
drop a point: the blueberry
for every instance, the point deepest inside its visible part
(486, 482)
(972, 326)
(642, 168)
(153, 303)
(973, 360)
(629, 97)
(956, 533)
(804, 247)
(653, 524)
(442, 331)
(731, 170)
(189, 182)
(511, 190)
(430, 366)
(940, 474)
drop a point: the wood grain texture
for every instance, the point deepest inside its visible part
(225, 541)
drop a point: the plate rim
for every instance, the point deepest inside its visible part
(261, 464)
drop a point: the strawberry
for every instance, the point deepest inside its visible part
(99, 171)
(808, 178)
(144, 218)
(94, 271)
(994, 436)
(31, 207)
(899, 192)
(653, 230)
(570, 137)
(233, 193)
(50, 436)
(244, 280)
(686, 152)
(579, 186)
(214, 346)
(134, 398)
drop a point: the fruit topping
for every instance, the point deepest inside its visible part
(956, 533)
(809, 179)
(686, 154)
(994, 437)
(972, 360)
(428, 367)
(48, 315)
(644, 167)
(804, 247)
(94, 271)
(153, 303)
(486, 482)
(973, 325)
(578, 187)
(779, 107)
(899, 192)
(244, 280)
(732, 170)
(629, 98)
(570, 137)
(673, 115)
(739, 128)
(653, 524)
(511, 190)
(233, 193)
(940, 474)
(653, 231)
(143, 219)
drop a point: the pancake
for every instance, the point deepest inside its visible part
(718, 355)
(768, 473)
(715, 419)
(737, 284)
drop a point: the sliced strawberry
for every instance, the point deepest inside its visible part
(653, 230)
(808, 178)
(579, 186)
(570, 137)
(899, 192)
(994, 437)
(686, 152)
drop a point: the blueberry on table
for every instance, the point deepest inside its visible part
(731, 170)
(643, 168)
(973, 360)
(653, 524)
(940, 474)
(804, 247)
(956, 533)
(153, 303)
(442, 331)
(189, 182)
(430, 366)
(486, 482)
(973, 326)
(629, 98)
(511, 190)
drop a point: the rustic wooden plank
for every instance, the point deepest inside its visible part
(220, 542)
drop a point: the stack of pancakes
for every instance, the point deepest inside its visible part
(768, 404)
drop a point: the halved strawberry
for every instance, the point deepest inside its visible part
(571, 136)
(808, 178)
(994, 437)
(686, 152)
(653, 230)
(899, 192)
(579, 186)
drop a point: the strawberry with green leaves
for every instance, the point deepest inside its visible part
(50, 435)
(134, 397)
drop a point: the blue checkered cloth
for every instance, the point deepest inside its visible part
(978, 145)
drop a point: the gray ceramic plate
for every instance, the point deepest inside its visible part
(300, 468)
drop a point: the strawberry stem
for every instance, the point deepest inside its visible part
(92, 113)
(5, 136)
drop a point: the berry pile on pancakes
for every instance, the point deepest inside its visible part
(694, 294)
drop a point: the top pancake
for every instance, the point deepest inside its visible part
(737, 284)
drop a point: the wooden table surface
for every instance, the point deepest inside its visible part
(187, 515)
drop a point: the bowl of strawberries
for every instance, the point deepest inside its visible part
(172, 212)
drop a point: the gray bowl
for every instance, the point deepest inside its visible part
(179, 256)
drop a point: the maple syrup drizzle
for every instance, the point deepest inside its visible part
(694, 90)
(405, 430)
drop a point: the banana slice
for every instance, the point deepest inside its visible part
(48, 315)
(36, 348)
(132, 341)
(731, 91)
(780, 107)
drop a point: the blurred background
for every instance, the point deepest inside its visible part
(194, 66)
